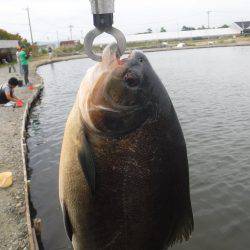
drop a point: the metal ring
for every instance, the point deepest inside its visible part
(120, 38)
(90, 37)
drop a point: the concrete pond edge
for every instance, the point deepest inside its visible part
(32, 236)
(26, 115)
(24, 150)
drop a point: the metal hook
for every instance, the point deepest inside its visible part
(90, 37)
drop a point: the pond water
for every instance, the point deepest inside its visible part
(210, 89)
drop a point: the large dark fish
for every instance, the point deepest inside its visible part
(124, 180)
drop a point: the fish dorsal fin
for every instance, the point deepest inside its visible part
(86, 159)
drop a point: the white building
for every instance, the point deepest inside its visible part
(8, 49)
(181, 35)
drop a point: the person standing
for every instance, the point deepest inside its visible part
(23, 56)
(50, 52)
(9, 63)
(18, 60)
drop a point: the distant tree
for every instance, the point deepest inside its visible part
(224, 26)
(201, 28)
(149, 30)
(25, 43)
(163, 29)
(4, 35)
(185, 28)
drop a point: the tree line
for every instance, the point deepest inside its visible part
(184, 28)
(4, 35)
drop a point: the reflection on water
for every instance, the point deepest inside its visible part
(210, 89)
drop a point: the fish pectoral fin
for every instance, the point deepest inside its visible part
(67, 222)
(87, 162)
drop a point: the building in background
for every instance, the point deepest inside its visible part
(69, 44)
(243, 26)
(43, 48)
(168, 36)
(8, 50)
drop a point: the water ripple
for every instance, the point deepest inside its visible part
(210, 89)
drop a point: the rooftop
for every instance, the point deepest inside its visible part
(243, 25)
(7, 44)
(104, 39)
(69, 42)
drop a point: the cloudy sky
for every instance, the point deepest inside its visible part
(51, 16)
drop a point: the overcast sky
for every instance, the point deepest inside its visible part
(131, 16)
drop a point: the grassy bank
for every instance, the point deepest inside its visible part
(159, 44)
(226, 40)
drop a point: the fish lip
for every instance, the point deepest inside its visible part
(102, 108)
(125, 66)
(122, 61)
(116, 109)
(119, 108)
(134, 53)
(129, 57)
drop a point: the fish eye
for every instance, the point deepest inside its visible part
(131, 80)
(141, 60)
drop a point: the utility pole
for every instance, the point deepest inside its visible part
(57, 36)
(208, 19)
(178, 30)
(31, 35)
(70, 30)
(208, 24)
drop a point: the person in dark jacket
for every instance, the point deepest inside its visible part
(8, 62)
(7, 91)
(50, 52)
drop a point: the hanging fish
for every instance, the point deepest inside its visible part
(124, 178)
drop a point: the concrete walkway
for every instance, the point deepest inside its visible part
(13, 229)
(13, 224)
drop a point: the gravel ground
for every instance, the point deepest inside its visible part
(13, 226)
(13, 229)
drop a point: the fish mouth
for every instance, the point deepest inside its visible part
(117, 104)
(121, 69)
(111, 56)
(128, 57)
(112, 106)
(134, 53)
(122, 61)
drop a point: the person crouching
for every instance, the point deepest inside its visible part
(7, 91)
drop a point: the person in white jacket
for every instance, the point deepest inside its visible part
(18, 60)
